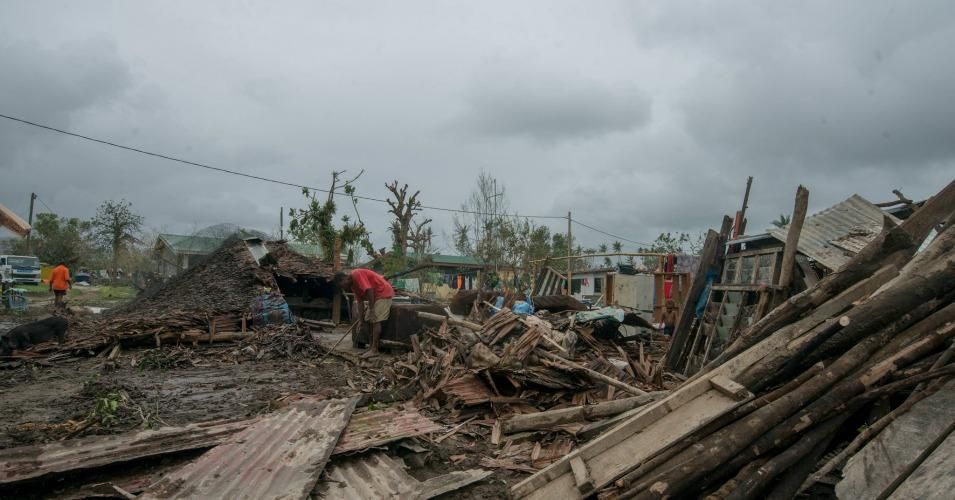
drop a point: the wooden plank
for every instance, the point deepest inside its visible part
(682, 332)
(730, 388)
(933, 480)
(792, 236)
(447, 483)
(624, 447)
(551, 418)
(337, 297)
(663, 431)
(881, 462)
(581, 476)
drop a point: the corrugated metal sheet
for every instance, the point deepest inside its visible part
(376, 475)
(468, 390)
(53, 459)
(375, 428)
(834, 235)
(373, 475)
(282, 456)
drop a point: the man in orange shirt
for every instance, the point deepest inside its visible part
(60, 282)
(368, 286)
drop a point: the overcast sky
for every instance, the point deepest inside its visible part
(640, 117)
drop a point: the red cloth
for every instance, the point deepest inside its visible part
(363, 279)
(668, 289)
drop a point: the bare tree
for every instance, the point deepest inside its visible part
(405, 230)
(480, 229)
(116, 227)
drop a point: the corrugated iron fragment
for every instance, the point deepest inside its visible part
(834, 235)
(376, 475)
(371, 475)
(281, 456)
(468, 390)
(375, 428)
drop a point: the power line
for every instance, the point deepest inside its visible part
(45, 205)
(241, 174)
(281, 182)
(575, 221)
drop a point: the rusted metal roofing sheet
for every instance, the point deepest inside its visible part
(371, 475)
(833, 236)
(281, 456)
(375, 428)
(468, 390)
(376, 475)
(48, 460)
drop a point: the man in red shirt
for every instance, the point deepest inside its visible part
(368, 286)
(60, 282)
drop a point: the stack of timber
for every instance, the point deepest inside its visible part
(761, 420)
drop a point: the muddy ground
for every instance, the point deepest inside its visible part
(176, 386)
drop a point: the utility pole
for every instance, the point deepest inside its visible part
(741, 225)
(30, 221)
(281, 223)
(570, 262)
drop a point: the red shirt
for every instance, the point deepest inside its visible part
(363, 279)
(60, 278)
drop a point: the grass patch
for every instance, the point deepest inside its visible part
(117, 292)
(41, 289)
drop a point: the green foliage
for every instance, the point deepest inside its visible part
(666, 243)
(106, 410)
(783, 220)
(56, 239)
(315, 224)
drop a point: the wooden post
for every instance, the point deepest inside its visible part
(792, 237)
(742, 213)
(570, 262)
(681, 331)
(337, 298)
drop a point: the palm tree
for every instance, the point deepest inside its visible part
(783, 220)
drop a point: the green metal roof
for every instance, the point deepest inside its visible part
(180, 243)
(455, 260)
(305, 249)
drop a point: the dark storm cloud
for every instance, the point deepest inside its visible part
(819, 84)
(50, 84)
(640, 117)
(551, 107)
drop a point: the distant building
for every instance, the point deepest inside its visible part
(174, 253)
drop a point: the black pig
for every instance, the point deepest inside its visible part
(29, 334)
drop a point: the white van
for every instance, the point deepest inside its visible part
(20, 269)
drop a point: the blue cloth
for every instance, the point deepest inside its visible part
(524, 308)
(264, 305)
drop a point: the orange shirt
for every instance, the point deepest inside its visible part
(60, 278)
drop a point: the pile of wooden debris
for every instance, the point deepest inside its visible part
(209, 302)
(781, 408)
(537, 385)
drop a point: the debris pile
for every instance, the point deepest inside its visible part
(210, 302)
(795, 387)
(536, 384)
